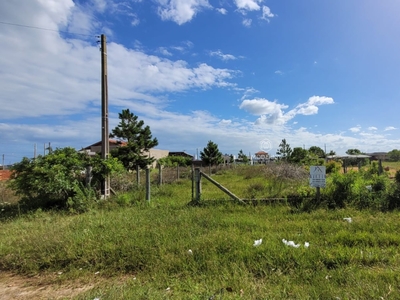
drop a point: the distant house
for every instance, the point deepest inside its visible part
(96, 147)
(378, 155)
(113, 144)
(180, 153)
(261, 157)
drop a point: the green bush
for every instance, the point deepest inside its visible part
(56, 180)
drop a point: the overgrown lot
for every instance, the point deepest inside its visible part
(146, 245)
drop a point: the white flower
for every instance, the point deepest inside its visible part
(348, 220)
(257, 243)
(190, 252)
(306, 244)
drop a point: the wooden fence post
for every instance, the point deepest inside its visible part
(89, 176)
(197, 179)
(192, 182)
(138, 175)
(148, 184)
(159, 174)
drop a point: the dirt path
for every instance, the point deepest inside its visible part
(35, 288)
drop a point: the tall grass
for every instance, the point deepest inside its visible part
(146, 246)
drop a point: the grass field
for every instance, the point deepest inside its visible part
(141, 250)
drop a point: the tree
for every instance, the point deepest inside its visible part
(394, 155)
(56, 179)
(317, 151)
(353, 152)
(298, 155)
(243, 157)
(332, 152)
(284, 150)
(211, 155)
(139, 141)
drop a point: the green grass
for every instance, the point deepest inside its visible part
(146, 246)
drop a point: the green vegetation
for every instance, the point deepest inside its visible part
(211, 154)
(138, 141)
(146, 245)
(57, 179)
(171, 161)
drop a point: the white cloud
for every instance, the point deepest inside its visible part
(247, 22)
(248, 4)
(164, 51)
(181, 11)
(372, 128)
(273, 112)
(279, 72)
(223, 56)
(135, 19)
(222, 11)
(390, 128)
(225, 122)
(266, 13)
(355, 129)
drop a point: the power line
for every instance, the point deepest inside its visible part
(46, 29)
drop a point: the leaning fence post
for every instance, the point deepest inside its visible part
(197, 179)
(148, 184)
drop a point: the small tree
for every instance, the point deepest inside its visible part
(284, 151)
(394, 155)
(317, 151)
(139, 141)
(298, 155)
(353, 152)
(211, 155)
(56, 179)
(243, 157)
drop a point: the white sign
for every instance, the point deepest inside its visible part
(317, 176)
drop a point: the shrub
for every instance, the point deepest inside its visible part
(56, 180)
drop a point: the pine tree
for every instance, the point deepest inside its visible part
(138, 138)
(211, 155)
(284, 151)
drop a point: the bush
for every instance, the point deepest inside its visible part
(56, 180)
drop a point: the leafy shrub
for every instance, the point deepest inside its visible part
(332, 167)
(53, 180)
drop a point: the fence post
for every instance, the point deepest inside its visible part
(138, 175)
(197, 179)
(89, 176)
(148, 184)
(192, 182)
(159, 174)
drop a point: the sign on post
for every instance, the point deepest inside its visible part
(317, 176)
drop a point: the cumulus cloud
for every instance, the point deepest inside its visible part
(355, 129)
(266, 13)
(222, 11)
(390, 128)
(279, 72)
(372, 128)
(248, 4)
(66, 80)
(271, 112)
(181, 11)
(247, 22)
(222, 56)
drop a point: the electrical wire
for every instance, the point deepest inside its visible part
(46, 29)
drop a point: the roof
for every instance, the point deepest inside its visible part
(261, 153)
(110, 142)
(348, 156)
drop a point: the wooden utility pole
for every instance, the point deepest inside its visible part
(105, 187)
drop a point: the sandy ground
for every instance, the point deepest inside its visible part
(35, 288)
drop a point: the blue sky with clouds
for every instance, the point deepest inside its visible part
(242, 73)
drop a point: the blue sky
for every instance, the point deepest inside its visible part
(242, 73)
